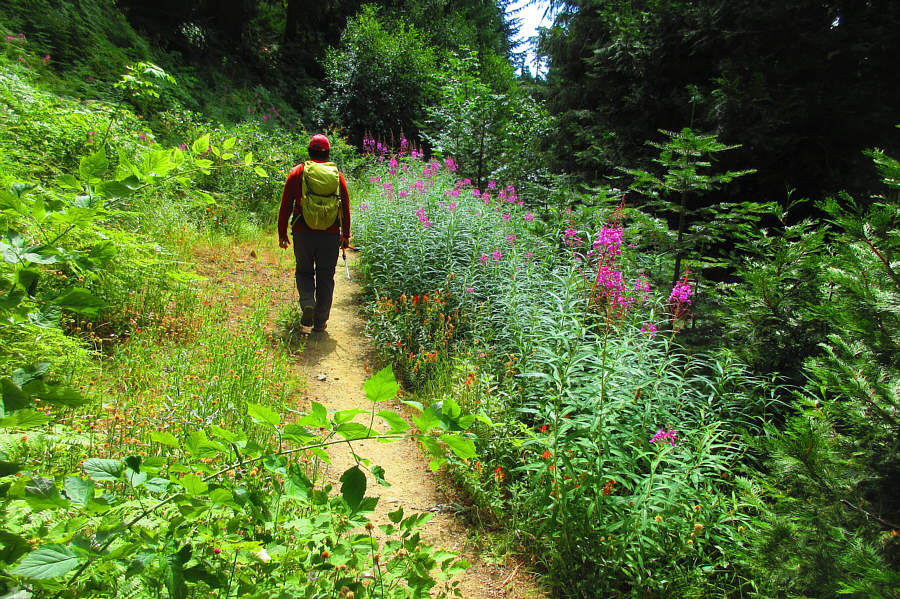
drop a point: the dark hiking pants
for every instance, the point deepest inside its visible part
(316, 254)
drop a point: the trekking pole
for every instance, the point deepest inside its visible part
(346, 268)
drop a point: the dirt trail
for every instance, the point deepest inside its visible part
(335, 364)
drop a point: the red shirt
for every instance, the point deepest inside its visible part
(290, 207)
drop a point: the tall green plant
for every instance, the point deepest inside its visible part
(685, 156)
(836, 466)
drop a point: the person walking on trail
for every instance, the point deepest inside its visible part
(316, 204)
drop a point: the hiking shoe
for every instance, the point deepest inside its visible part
(307, 318)
(320, 327)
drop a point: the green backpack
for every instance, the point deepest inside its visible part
(319, 200)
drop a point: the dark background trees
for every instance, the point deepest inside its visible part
(805, 86)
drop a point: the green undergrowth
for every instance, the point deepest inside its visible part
(149, 445)
(627, 452)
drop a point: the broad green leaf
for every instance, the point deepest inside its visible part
(200, 146)
(222, 496)
(394, 420)
(12, 547)
(157, 485)
(432, 446)
(343, 416)
(94, 166)
(260, 171)
(378, 473)
(353, 488)
(114, 189)
(298, 433)
(47, 318)
(9, 468)
(263, 415)
(194, 484)
(80, 301)
(463, 448)
(435, 464)
(50, 561)
(79, 491)
(318, 416)
(229, 144)
(396, 516)
(199, 445)
(164, 438)
(24, 420)
(227, 435)
(428, 419)
(353, 430)
(68, 182)
(61, 395)
(103, 469)
(248, 158)
(136, 479)
(382, 386)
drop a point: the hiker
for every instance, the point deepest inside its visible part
(316, 202)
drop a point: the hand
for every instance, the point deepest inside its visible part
(345, 243)
(284, 242)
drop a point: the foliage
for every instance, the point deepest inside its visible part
(380, 77)
(833, 529)
(699, 227)
(185, 508)
(492, 135)
(766, 75)
(578, 366)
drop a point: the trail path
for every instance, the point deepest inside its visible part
(336, 363)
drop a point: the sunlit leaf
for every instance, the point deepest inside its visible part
(50, 561)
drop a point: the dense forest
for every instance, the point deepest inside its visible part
(642, 304)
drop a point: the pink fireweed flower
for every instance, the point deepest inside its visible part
(650, 328)
(420, 185)
(484, 258)
(529, 217)
(609, 241)
(454, 193)
(452, 207)
(682, 292)
(497, 255)
(528, 255)
(492, 184)
(375, 179)
(142, 136)
(451, 165)
(10, 38)
(467, 181)
(511, 238)
(642, 283)
(21, 36)
(393, 163)
(389, 187)
(470, 289)
(665, 436)
(506, 217)
(404, 145)
(570, 237)
(404, 168)
(402, 194)
(476, 193)
(486, 196)
(363, 207)
(183, 147)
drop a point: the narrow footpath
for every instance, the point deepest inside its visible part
(336, 363)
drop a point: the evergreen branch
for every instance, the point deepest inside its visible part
(870, 515)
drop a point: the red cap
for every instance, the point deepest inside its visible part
(320, 143)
